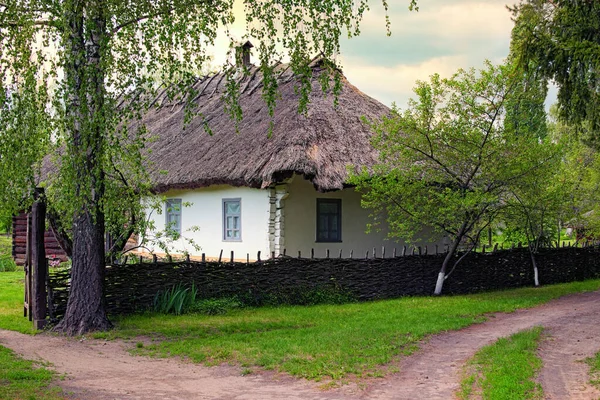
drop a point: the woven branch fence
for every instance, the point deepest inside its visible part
(132, 287)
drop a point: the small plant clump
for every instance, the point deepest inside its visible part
(176, 300)
(594, 363)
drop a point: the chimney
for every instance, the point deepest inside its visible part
(242, 54)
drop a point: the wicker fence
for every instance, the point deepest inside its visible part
(132, 287)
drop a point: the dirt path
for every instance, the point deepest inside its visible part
(105, 370)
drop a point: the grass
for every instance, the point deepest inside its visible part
(505, 370)
(327, 341)
(594, 363)
(11, 302)
(21, 379)
(316, 342)
(6, 261)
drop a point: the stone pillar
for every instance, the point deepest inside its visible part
(277, 196)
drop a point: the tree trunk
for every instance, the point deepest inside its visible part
(85, 107)
(442, 274)
(536, 279)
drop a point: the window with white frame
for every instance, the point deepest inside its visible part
(232, 220)
(173, 215)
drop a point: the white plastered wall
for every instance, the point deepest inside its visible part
(206, 213)
(301, 220)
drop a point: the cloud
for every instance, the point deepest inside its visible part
(442, 37)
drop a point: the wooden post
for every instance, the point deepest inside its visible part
(258, 256)
(141, 260)
(374, 252)
(425, 250)
(169, 258)
(38, 260)
(272, 254)
(382, 251)
(404, 251)
(483, 248)
(154, 258)
(284, 252)
(340, 253)
(351, 254)
(299, 254)
(436, 249)
(367, 255)
(187, 257)
(203, 257)
(247, 258)
(326, 253)
(220, 255)
(312, 253)
(394, 253)
(231, 260)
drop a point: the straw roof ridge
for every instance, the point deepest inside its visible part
(319, 144)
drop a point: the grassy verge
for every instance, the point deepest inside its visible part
(11, 302)
(594, 363)
(326, 341)
(6, 261)
(505, 369)
(21, 379)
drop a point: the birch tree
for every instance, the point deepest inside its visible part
(76, 72)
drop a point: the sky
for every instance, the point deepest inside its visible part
(443, 36)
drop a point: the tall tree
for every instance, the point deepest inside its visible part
(560, 40)
(76, 72)
(446, 163)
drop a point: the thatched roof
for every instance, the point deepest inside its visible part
(318, 145)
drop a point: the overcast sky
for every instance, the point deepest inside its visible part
(443, 36)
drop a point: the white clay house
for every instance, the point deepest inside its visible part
(253, 192)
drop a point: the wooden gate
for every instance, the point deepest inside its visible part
(36, 264)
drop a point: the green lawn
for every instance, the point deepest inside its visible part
(329, 341)
(505, 370)
(21, 379)
(594, 363)
(6, 261)
(316, 342)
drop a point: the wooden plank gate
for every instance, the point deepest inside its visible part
(36, 264)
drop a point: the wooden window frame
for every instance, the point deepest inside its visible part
(225, 215)
(338, 203)
(171, 210)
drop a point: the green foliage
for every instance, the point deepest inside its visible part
(448, 161)
(559, 40)
(177, 300)
(23, 379)
(301, 296)
(7, 263)
(215, 306)
(505, 369)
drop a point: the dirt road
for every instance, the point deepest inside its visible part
(97, 369)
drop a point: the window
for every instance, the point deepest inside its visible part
(232, 220)
(329, 220)
(173, 215)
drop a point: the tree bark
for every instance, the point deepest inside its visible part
(85, 79)
(442, 274)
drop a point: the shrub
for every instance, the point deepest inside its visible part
(7, 264)
(216, 306)
(302, 296)
(176, 300)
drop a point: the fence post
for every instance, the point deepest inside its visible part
(351, 254)
(394, 253)
(374, 252)
(39, 262)
(231, 256)
(312, 253)
(220, 255)
(340, 253)
(272, 254)
(258, 256)
(382, 251)
(154, 258)
(404, 251)
(203, 257)
(326, 253)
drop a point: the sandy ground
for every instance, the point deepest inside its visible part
(96, 369)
